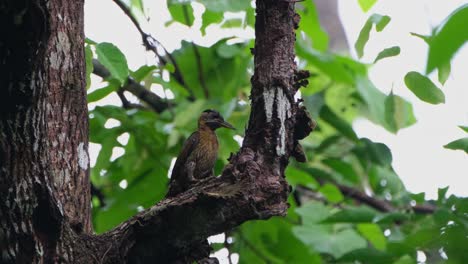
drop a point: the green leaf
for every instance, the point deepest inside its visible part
(338, 123)
(313, 212)
(138, 5)
(441, 192)
(343, 168)
(397, 112)
(323, 240)
(378, 153)
(102, 92)
(450, 36)
(114, 60)
(89, 65)
(374, 234)
(181, 11)
(460, 144)
(366, 4)
(360, 214)
(375, 100)
(210, 17)
(424, 88)
(142, 72)
(331, 193)
(226, 5)
(380, 23)
(311, 26)
(388, 52)
(443, 72)
(464, 128)
(298, 177)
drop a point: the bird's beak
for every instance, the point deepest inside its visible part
(226, 125)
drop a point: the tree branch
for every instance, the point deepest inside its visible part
(376, 203)
(152, 44)
(252, 185)
(155, 102)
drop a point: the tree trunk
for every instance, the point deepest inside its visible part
(44, 183)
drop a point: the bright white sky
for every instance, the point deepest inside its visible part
(418, 154)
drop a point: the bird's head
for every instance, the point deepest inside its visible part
(213, 120)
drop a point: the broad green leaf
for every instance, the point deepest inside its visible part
(310, 25)
(424, 88)
(406, 259)
(267, 237)
(374, 234)
(443, 72)
(210, 17)
(102, 92)
(228, 51)
(323, 240)
(375, 100)
(368, 255)
(378, 153)
(226, 5)
(449, 37)
(366, 4)
(459, 144)
(313, 212)
(331, 193)
(89, 65)
(379, 21)
(397, 113)
(343, 168)
(114, 60)
(181, 11)
(359, 214)
(464, 128)
(298, 177)
(338, 123)
(441, 192)
(138, 5)
(388, 52)
(142, 72)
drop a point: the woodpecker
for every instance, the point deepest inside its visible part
(198, 155)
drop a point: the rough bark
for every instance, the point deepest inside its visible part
(44, 185)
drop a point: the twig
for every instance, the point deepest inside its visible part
(152, 44)
(154, 101)
(197, 58)
(125, 103)
(380, 205)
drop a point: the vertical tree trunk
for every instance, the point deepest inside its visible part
(44, 185)
(44, 130)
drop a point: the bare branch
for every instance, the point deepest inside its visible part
(152, 44)
(155, 102)
(376, 203)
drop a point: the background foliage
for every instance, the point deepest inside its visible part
(348, 203)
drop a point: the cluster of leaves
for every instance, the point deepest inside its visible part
(326, 222)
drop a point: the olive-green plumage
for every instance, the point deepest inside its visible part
(198, 155)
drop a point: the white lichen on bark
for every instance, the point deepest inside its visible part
(269, 98)
(283, 111)
(83, 158)
(276, 97)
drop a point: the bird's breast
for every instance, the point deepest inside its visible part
(207, 154)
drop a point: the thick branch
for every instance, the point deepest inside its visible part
(252, 186)
(155, 102)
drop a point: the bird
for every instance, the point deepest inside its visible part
(197, 158)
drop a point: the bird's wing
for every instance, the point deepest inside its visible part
(184, 154)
